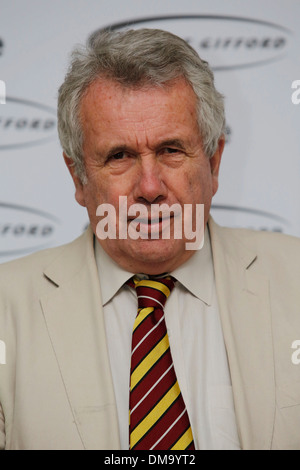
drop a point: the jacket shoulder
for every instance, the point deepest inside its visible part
(264, 242)
(29, 270)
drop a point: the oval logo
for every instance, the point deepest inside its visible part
(24, 230)
(24, 123)
(246, 217)
(226, 42)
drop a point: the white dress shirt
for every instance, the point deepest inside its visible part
(196, 342)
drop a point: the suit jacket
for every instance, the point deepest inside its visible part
(56, 388)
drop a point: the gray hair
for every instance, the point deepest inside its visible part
(137, 58)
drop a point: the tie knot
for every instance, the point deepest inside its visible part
(153, 292)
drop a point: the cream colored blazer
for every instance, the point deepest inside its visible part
(56, 388)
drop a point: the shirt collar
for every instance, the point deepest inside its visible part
(112, 277)
(196, 274)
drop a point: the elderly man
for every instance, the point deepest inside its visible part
(193, 342)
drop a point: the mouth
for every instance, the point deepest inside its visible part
(150, 221)
(151, 226)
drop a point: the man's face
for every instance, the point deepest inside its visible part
(144, 144)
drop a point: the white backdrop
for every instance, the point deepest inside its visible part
(253, 47)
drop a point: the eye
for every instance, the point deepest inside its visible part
(119, 160)
(118, 156)
(171, 150)
(172, 156)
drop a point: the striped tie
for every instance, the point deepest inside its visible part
(158, 418)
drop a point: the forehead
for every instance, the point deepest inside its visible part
(107, 101)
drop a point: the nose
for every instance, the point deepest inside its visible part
(150, 187)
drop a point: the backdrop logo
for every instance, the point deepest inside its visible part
(24, 229)
(25, 123)
(247, 217)
(226, 42)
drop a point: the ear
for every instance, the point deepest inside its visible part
(79, 188)
(215, 162)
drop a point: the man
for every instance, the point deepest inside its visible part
(141, 123)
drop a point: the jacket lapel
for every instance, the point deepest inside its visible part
(243, 294)
(74, 317)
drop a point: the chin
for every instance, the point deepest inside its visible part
(156, 256)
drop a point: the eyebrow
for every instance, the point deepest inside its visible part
(172, 143)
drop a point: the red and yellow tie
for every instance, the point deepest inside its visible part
(158, 417)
